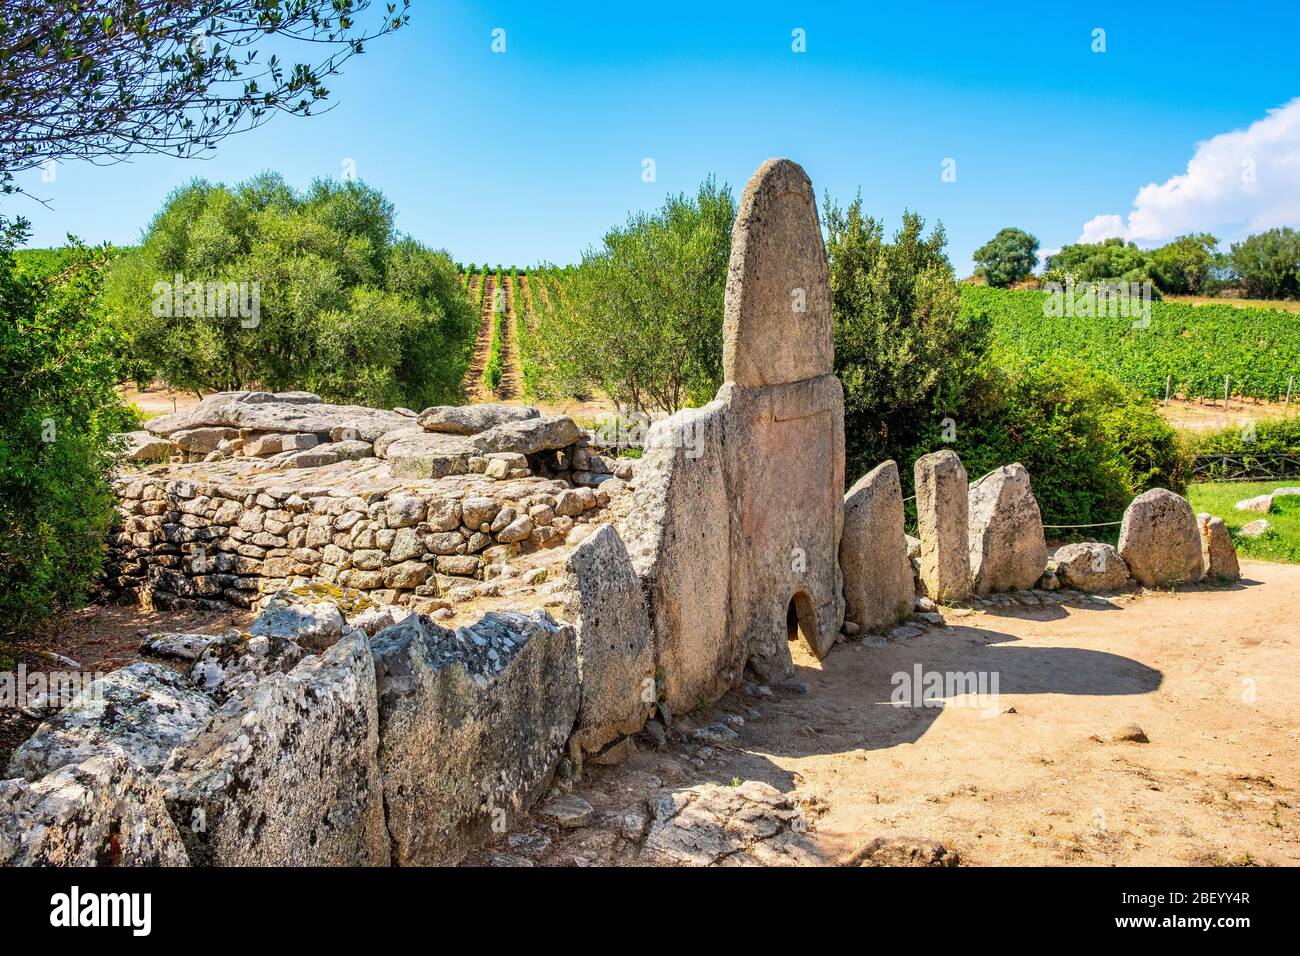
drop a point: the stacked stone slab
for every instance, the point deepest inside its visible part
(943, 526)
(1005, 532)
(1159, 540)
(878, 587)
(236, 540)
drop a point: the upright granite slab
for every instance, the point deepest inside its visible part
(1159, 540)
(942, 512)
(286, 772)
(878, 588)
(616, 661)
(472, 725)
(1005, 528)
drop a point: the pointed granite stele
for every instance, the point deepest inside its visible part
(787, 435)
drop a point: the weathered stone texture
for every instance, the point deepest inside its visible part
(472, 725)
(1005, 532)
(943, 526)
(1159, 540)
(1218, 553)
(286, 772)
(616, 662)
(1090, 567)
(143, 710)
(684, 560)
(878, 588)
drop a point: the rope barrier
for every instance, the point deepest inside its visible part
(1099, 524)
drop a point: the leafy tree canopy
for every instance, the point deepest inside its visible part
(1010, 256)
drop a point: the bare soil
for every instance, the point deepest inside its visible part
(1210, 676)
(1212, 416)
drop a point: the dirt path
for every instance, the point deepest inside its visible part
(512, 372)
(1211, 676)
(473, 386)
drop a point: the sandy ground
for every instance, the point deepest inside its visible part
(1212, 416)
(1210, 676)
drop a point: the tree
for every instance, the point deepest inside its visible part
(104, 79)
(642, 316)
(1268, 264)
(1112, 260)
(902, 350)
(58, 408)
(1010, 256)
(1183, 267)
(262, 285)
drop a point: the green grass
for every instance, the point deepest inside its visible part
(1280, 543)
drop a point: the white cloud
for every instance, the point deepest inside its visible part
(1236, 183)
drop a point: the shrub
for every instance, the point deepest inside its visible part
(58, 407)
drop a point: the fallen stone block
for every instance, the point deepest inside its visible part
(472, 419)
(143, 710)
(1261, 503)
(472, 725)
(304, 619)
(1090, 567)
(285, 774)
(753, 824)
(104, 811)
(529, 436)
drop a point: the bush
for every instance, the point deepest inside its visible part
(1268, 264)
(1089, 443)
(58, 407)
(328, 298)
(903, 350)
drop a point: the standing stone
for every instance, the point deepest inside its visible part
(1159, 540)
(1218, 553)
(787, 424)
(679, 540)
(1005, 531)
(942, 523)
(472, 725)
(286, 773)
(878, 588)
(616, 662)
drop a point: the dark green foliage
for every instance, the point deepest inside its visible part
(1010, 256)
(641, 317)
(1268, 264)
(58, 406)
(345, 307)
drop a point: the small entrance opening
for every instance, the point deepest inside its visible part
(800, 620)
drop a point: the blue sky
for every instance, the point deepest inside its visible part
(532, 154)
